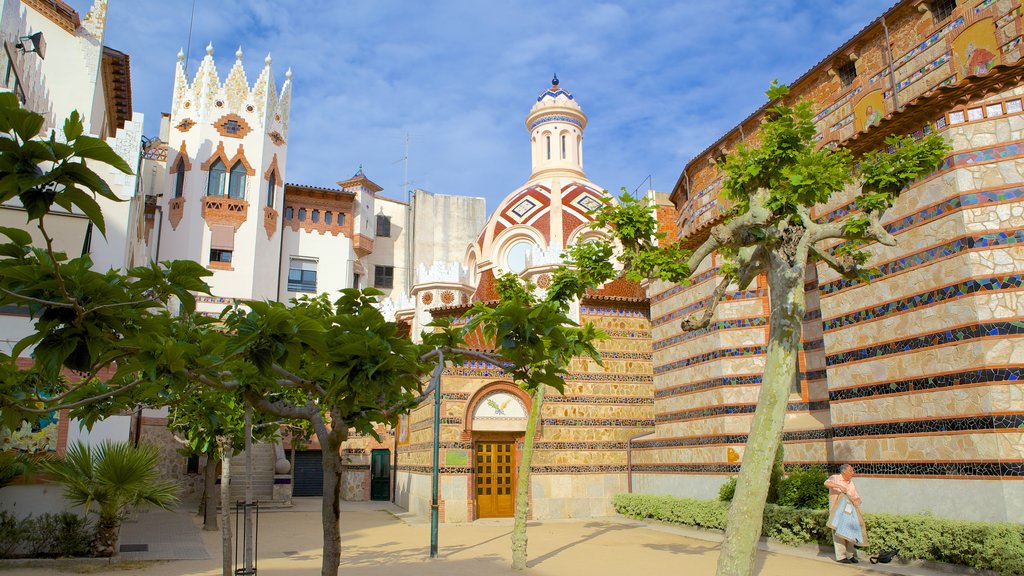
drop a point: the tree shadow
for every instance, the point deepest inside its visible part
(684, 548)
(602, 529)
(460, 549)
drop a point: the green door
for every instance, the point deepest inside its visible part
(380, 475)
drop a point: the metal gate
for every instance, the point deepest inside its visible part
(308, 479)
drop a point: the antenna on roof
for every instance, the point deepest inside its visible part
(188, 47)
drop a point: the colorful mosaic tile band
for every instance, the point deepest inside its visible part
(945, 293)
(631, 334)
(726, 439)
(707, 385)
(610, 311)
(709, 356)
(599, 422)
(724, 409)
(931, 426)
(951, 336)
(580, 445)
(962, 469)
(917, 75)
(729, 296)
(710, 328)
(962, 244)
(677, 288)
(931, 40)
(608, 400)
(971, 377)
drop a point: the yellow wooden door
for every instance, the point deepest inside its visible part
(495, 479)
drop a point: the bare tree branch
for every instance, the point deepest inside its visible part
(37, 300)
(78, 403)
(305, 384)
(732, 232)
(695, 321)
(280, 408)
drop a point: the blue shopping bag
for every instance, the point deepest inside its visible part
(846, 521)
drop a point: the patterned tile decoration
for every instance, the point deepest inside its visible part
(556, 118)
(703, 192)
(842, 122)
(630, 334)
(931, 425)
(982, 376)
(524, 207)
(606, 400)
(615, 355)
(570, 377)
(599, 422)
(597, 468)
(814, 344)
(961, 469)
(456, 396)
(729, 296)
(612, 311)
(709, 356)
(707, 385)
(554, 92)
(725, 439)
(983, 5)
(951, 336)
(677, 288)
(931, 40)
(996, 153)
(836, 105)
(588, 203)
(724, 409)
(611, 445)
(945, 293)
(710, 328)
(926, 69)
(962, 244)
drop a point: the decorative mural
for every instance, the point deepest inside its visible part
(40, 436)
(975, 49)
(870, 109)
(500, 411)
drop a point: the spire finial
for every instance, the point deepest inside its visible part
(209, 49)
(554, 81)
(288, 74)
(268, 59)
(238, 53)
(181, 55)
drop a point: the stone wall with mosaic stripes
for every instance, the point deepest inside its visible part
(580, 457)
(912, 376)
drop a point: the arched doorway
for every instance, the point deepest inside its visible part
(497, 423)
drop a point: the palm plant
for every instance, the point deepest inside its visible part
(13, 465)
(115, 478)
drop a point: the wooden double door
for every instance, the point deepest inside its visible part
(495, 478)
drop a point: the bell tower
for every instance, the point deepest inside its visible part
(556, 123)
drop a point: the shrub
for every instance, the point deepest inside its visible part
(727, 490)
(804, 488)
(73, 537)
(10, 534)
(982, 545)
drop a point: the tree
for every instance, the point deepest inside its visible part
(117, 479)
(769, 230)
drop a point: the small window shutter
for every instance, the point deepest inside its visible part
(223, 237)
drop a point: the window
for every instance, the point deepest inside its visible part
(236, 181)
(302, 214)
(289, 212)
(270, 189)
(192, 464)
(217, 180)
(302, 275)
(941, 9)
(517, 255)
(355, 281)
(220, 255)
(315, 216)
(548, 138)
(328, 217)
(383, 276)
(341, 218)
(383, 226)
(179, 179)
(563, 146)
(847, 72)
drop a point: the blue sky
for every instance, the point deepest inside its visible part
(659, 81)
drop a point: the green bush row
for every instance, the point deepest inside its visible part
(982, 545)
(45, 536)
(799, 488)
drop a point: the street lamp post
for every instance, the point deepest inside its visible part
(435, 481)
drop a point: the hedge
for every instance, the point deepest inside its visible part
(982, 545)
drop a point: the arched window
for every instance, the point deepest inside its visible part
(288, 212)
(218, 179)
(563, 146)
(548, 139)
(236, 181)
(517, 255)
(270, 189)
(302, 214)
(315, 217)
(328, 217)
(179, 178)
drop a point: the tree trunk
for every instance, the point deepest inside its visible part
(331, 505)
(247, 551)
(225, 509)
(744, 522)
(523, 484)
(108, 529)
(209, 489)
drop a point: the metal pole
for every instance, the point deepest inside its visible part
(434, 480)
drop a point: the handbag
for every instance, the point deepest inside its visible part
(884, 557)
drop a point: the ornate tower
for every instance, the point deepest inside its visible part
(556, 123)
(227, 151)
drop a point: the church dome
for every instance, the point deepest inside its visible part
(551, 102)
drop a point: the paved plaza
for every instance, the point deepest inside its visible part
(379, 539)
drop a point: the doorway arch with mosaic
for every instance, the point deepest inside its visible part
(497, 425)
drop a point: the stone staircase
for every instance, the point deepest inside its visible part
(262, 474)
